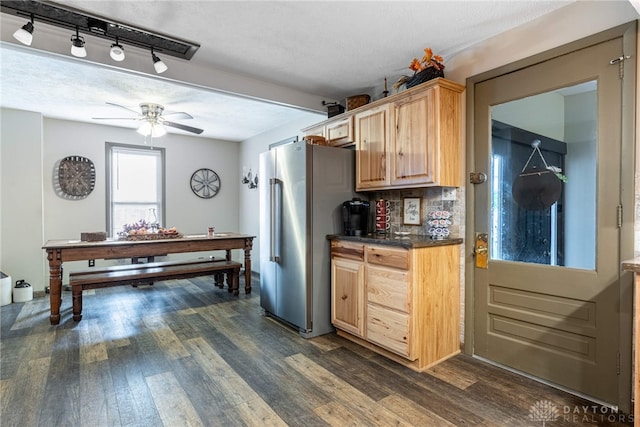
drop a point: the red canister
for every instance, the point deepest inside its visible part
(382, 216)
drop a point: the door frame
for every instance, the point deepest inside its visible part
(627, 192)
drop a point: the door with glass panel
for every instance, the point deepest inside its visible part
(546, 301)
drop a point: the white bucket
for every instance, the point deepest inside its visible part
(22, 294)
(5, 289)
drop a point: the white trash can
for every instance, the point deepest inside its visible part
(22, 292)
(5, 289)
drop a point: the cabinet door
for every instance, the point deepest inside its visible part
(316, 131)
(414, 159)
(347, 299)
(340, 132)
(372, 140)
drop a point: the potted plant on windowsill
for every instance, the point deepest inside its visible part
(425, 69)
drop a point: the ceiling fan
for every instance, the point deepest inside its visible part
(153, 119)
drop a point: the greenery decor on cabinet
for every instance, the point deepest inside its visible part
(429, 67)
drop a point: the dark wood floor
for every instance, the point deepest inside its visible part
(185, 353)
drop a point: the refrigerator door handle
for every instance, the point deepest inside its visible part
(276, 220)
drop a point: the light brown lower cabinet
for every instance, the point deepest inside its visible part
(403, 303)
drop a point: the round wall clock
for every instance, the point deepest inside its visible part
(75, 177)
(205, 183)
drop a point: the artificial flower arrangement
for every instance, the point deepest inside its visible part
(145, 228)
(427, 68)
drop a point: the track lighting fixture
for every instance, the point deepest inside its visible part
(76, 20)
(160, 66)
(117, 52)
(25, 34)
(77, 45)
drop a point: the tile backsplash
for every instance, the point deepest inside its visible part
(432, 200)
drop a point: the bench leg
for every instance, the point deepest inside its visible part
(229, 274)
(219, 280)
(76, 297)
(234, 285)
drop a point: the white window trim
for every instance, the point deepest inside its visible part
(108, 150)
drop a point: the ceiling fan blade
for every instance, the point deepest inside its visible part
(177, 115)
(136, 112)
(115, 118)
(182, 127)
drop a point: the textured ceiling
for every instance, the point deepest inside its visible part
(330, 49)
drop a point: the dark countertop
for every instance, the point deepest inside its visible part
(410, 241)
(632, 265)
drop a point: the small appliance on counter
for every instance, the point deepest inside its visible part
(355, 217)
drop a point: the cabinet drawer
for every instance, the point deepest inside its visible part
(345, 249)
(340, 132)
(389, 288)
(389, 329)
(390, 257)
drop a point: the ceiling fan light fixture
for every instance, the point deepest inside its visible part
(159, 66)
(154, 130)
(77, 45)
(117, 52)
(25, 34)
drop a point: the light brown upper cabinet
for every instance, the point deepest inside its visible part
(426, 146)
(372, 148)
(407, 140)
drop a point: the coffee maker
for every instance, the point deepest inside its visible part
(355, 217)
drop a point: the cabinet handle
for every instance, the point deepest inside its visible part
(344, 297)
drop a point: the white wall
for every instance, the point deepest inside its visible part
(542, 114)
(565, 25)
(581, 186)
(26, 225)
(21, 226)
(249, 154)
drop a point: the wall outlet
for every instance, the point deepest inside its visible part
(449, 193)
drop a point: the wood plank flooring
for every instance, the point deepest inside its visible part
(185, 353)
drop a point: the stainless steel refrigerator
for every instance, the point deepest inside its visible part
(302, 188)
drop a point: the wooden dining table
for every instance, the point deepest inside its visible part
(59, 251)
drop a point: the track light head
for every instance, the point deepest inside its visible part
(25, 34)
(117, 52)
(77, 45)
(160, 66)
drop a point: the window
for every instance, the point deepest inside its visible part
(135, 180)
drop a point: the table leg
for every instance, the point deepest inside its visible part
(248, 245)
(55, 285)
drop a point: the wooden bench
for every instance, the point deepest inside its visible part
(134, 274)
